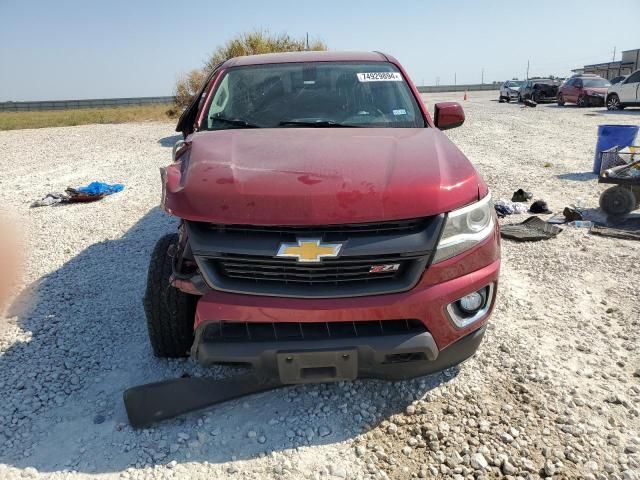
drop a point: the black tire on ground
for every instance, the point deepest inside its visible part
(560, 100)
(617, 200)
(582, 101)
(170, 312)
(501, 99)
(613, 102)
(519, 98)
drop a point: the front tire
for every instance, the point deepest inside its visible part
(582, 101)
(613, 103)
(560, 100)
(501, 99)
(618, 200)
(170, 312)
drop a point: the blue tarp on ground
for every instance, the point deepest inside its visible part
(99, 188)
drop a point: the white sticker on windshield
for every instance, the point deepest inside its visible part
(380, 77)
(400, 111)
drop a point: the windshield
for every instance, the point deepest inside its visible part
(317, 94)
(513, 83)
(595, 82)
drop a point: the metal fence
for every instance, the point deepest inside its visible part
(459, 88)
(75, 104)
(122, 102)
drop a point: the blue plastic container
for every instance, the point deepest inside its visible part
(610, 136)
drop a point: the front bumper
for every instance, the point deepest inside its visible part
(595, 100)
(428, 351)
(390, 357)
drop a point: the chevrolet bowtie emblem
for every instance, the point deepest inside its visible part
(309, 250)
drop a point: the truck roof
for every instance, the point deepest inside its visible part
(296, 57)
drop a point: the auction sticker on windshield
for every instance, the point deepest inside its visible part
(380, 77)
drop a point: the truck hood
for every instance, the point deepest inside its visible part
(315, 176)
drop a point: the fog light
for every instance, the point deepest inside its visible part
(472, 307)
(471, 303)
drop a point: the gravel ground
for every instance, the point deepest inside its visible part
(553, 392)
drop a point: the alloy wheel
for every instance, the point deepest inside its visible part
(613, 103)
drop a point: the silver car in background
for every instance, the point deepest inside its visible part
(509, 91)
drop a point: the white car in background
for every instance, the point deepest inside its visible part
(625, 93)
(509, 90)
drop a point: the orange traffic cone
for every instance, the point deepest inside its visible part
(465, 95)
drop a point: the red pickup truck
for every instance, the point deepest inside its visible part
(328, 229)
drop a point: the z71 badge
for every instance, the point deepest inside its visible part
(390, 267)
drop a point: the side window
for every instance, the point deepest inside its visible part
(577, 83)
(634, 78)
(221, 98)
(571, 82)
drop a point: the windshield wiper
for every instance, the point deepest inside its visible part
(319, 123)
(236, 122)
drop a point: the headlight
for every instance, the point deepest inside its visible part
(465, 228)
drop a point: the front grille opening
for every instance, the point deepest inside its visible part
(404, 357)
(328, 232)
(341, 271)
(287, 331)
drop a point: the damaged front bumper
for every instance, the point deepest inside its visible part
(389, 357)
(595, 100)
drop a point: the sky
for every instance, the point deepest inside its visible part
(65, 49)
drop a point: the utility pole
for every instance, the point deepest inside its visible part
(482, 81)
(455, 79)
(307, 40)
(614, 55)
(527, 69)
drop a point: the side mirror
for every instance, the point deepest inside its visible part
(177, 146)
(448, 115)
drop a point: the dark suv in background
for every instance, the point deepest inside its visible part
(539, 90)
(584, 90)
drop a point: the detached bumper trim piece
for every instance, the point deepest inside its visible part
(387, 357)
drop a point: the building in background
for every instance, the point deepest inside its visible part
(630, 63)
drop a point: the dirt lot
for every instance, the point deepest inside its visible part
(553, 392)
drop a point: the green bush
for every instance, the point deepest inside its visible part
(250, 43)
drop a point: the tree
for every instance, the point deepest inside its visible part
(186, 87)
(250, 43)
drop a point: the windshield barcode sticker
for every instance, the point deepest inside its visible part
(379, 77)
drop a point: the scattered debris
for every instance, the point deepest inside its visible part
(580, 224)
(571, 214)
(531, 230)
(50, 199)
(505, 207)
(92, 192)
(539, 206)
(628, 229)
(521, 195)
